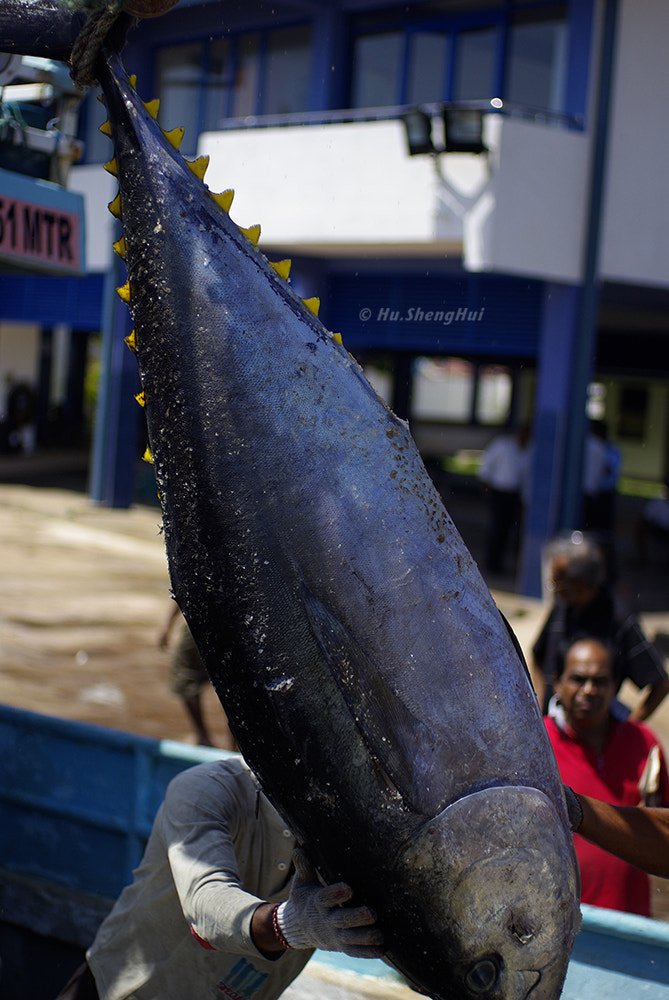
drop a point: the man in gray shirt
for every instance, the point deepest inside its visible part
(214, 909)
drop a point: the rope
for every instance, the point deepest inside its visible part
(89, 41)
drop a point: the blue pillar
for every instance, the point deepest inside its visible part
(560, 326)
(117, 419)
(567, 350)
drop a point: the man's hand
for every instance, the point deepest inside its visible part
(313, 916)
(574, 809)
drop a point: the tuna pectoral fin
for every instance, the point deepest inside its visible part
(400, 743)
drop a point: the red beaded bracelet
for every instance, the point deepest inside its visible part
(277, 930)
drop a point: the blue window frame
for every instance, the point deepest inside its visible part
(201, 82)
(235, 76)
(516, 51)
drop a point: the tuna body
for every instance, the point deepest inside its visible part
(366, 672)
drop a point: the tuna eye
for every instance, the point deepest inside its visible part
(481, 977)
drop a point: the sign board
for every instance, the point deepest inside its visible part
(41, 225)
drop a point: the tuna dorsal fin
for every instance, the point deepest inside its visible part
(152, 107)
(115, 207)
(198, 166)
(252, 232)
(402, 744)
(224, 199)
(313, 304)
(120, 248)
(175, 136)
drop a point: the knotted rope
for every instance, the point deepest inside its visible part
(86, 49)
(102, 14)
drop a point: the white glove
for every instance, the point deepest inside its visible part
(313, 917)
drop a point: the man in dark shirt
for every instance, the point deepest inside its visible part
(584, 605)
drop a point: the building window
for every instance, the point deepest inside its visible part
(246, 96)
(180, 74)
(377, 63)
(470, 54)
(494, 395)
(237, 76)
(428, 60)
(475, 60)
(287, 72)
(219, 84)
(536, 64)
(443, 390)
(632, 413)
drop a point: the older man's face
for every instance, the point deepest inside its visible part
(572, 592)
(587, 687)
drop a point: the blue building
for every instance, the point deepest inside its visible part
(517, 272)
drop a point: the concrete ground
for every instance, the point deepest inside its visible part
(84, 592)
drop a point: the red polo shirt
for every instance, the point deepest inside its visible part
(611, 777)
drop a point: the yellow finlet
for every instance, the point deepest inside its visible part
(133, 80)
(224, 199)
(337, 339)
(282, 267)
(199, 166)
(141, 398)
(120, 248)
(152, 106)
(111, 167)
(115, 206)
(175, 136)
(124, 292)
(131, 341)
(313, 304)
(147, 457)
(106, 129)
(253, 233)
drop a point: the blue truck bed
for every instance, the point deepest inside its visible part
(76, 806)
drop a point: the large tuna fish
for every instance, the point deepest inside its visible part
(366, 672)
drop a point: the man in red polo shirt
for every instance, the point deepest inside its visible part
(604, 758)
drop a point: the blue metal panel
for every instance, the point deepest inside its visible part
(77, 801)
(619, 956)
(477, 315)
(48, 299)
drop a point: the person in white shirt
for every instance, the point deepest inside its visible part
(503, 471)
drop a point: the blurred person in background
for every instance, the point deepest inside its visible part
(188, 678)
(503, 472)
(584, 603)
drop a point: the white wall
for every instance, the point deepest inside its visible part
(334, 185)
(635, 244)
(530, 218)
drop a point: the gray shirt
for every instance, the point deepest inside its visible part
(182, 929)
